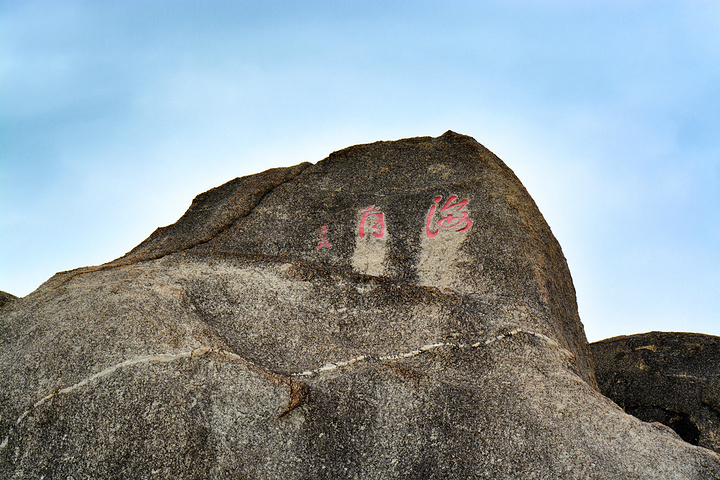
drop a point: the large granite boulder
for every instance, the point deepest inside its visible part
(397, 310)
(667, 377)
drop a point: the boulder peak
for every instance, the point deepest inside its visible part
(443, 213)
(397, 310)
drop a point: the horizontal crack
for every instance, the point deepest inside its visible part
(426, 348)
(298, 390)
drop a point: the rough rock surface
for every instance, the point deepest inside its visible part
(398, 310)
(671, 378)
(6, 298)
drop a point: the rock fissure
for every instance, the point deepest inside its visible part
(124, 262)
(680, 421)
(298, 390)
(429, 347)
(665, 377)
(247, 211)
(163, 357)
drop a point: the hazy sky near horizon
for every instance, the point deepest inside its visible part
(114, 115)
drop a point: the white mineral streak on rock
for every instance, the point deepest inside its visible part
(163, 357)
(330, 366)
(426, 348)
(200, 352)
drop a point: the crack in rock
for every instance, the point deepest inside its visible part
(135, 256)
(163, 357)
(426, 348)
(298, 390)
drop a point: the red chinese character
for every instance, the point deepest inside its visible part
(455, 216)
(323, 239)
(378, 227)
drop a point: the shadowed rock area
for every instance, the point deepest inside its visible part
(6, 298)
(667, 377)
(397, 310)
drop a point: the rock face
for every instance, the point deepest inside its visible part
(6, 298)
(670, 378)
(397, 310)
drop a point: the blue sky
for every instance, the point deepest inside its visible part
(114, 115)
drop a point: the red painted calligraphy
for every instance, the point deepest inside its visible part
(323, 238)
(373, 215)
(452, 215)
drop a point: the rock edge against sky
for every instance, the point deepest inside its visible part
(397, 310)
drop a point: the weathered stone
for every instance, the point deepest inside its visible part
(398, 310)
(6, 298)
(670, 378)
